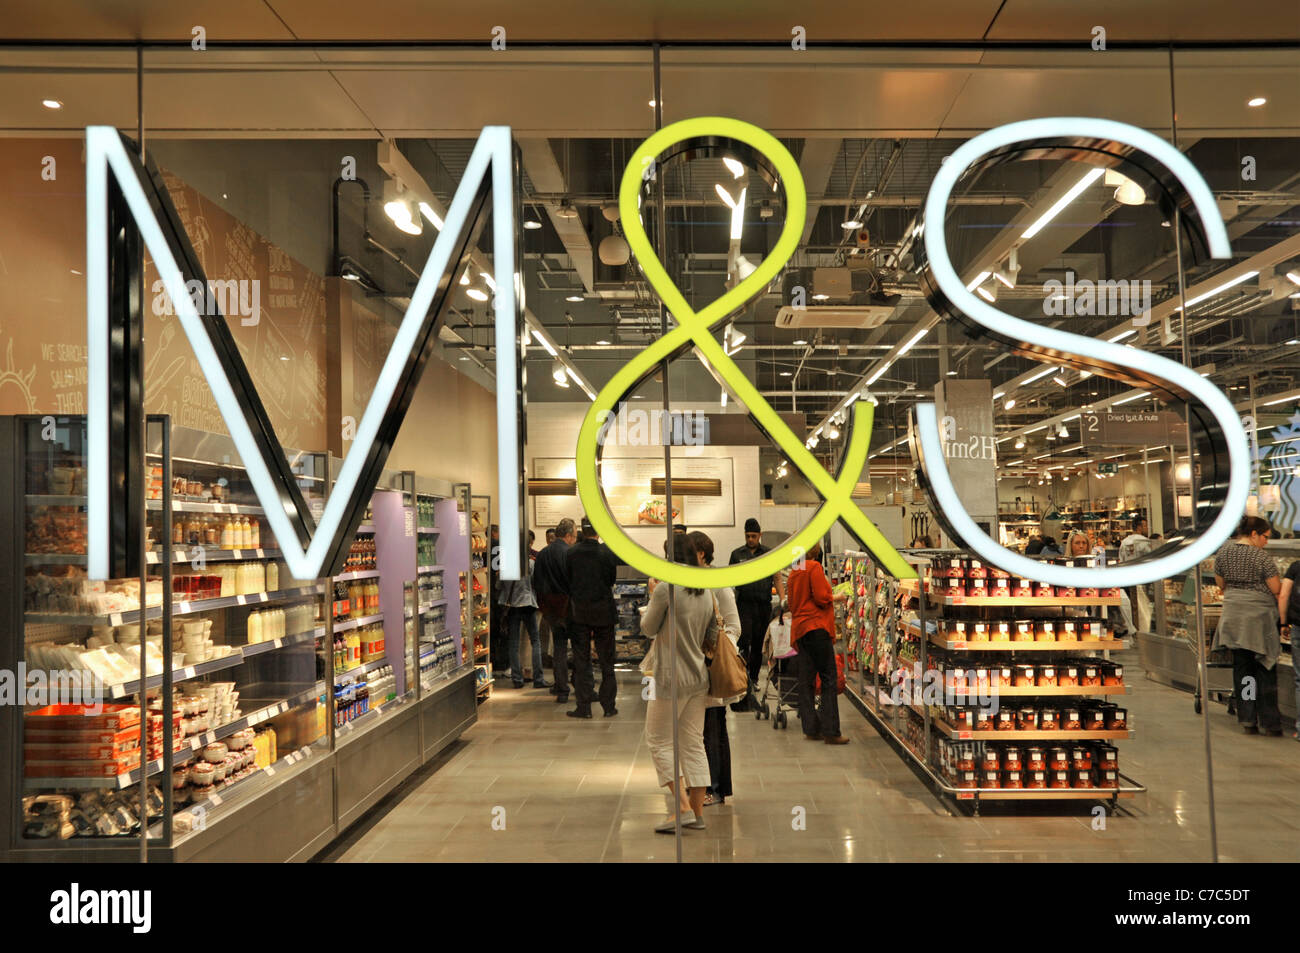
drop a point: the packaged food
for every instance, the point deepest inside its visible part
(1035, 758)
(1107, 778)
(990, 779)
(963, 719)
(1006, 676)
(1116, 719)
(1043, 591)
(1027, 719)
(1107, 757)
(985, 720)
(983, 680)
(965, 757)
(1011, 758)
(967, 779)
(1071, 719)
(1090, 675)
(979, 632)
(1013, 779)
(1081, 778)
(1006, 720)
(952, 587)
(1058, 779)
(1089, 592)
(1048, 719)
(976, 570)
(1065, 592)
(1023, 676)
(951, 567)
(1035, 779)
(992, 760)
(977, 586)
(999, 587)
(1000, 632)
(995, 573)
(1047, 676)
(1022, 588)
(1067, 675)
(1081, 758)
(1067, 631)
(1044, 631)
(1112, 673)
(1024, 631)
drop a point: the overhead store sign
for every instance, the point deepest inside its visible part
(1114, 428)
(1137, 153)
(310, 548)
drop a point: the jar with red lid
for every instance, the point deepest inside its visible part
(1112, 673)
(1049, 719)
(967, 779)
(1044, 631)
(992, 759)
(1013, 779)
(1023, 676)
(1011, 758)
(990, 779)
(1090, 675)
(1108, 778)
(1067, 675)
(1081, 778)
(1071, 719)
(1000, 632)
(1058, 779)
(965, 757)
(1035, 779)
(1027, 719)
(1006, 720)
(1081, 758)
(1108, 757)
(1047, 676)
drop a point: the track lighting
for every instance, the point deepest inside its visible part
(399, 207)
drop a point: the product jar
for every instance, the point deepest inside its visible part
(1112, 674)
(1044, 631)
(1116, 719)
(1006, 720)
(1108, 778)
(1048, 719)
(1036, 779)
(965, 757)
(1024, 631)
(1071, 720)
(985, 720)
(1058, 779)
(1067, 676)
(1047, 676)
(1000, 632)
(1081, 778)
(1108, 757)
(1027, 719)
(1090, 675)
(992, 759)
(990, 779)
(1005, 676)
(1081, 758)
(1013, 779)
(979, 632)
(1011, 758)
(1023, 676)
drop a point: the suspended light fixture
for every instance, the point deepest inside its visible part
(1011, 403)
(1127, 192)
(532, 223)
(401, 209)
(560, 374)
(733, 166)
(832, 433)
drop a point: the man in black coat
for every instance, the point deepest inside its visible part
(591, 569)
(551, 587)
(754, 603)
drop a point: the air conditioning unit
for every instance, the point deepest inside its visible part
(833, 298)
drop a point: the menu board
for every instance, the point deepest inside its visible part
(626, 481)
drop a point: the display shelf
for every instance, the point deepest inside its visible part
(217, 798)
(55, 499)
(260, 648)
(1044, 794)
(359, 574)
(961, 734)
(268, 711)
(198, 506)
(178, 608)
(424, 570)
(432, 605)
(184, 553)
(1041, 602)
(484, 611)
(55, 559)
(356, 623)
(361, 669)
(123, 689)
(1091, 645)
(428, 531)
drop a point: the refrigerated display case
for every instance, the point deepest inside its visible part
(220, 740)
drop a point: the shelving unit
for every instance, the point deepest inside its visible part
(630, 593)
(477, 611)
(912, 683)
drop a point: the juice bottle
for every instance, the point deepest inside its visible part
(254, 627)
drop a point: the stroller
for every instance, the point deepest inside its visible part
(781, 691)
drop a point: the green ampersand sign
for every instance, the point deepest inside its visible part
(696, 329)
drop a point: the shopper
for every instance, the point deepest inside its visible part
(754, 603)
(532, 551)
(1289, 604)
(813, 613)
(1034, 547)
(1049, 546)
(591, 569)
(717, 744)
(679, 666)
(1078, 544)
(544, 627)
(551, 589)
(521, 611)
(1249, 624)
(1134, 546)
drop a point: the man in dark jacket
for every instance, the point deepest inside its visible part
(592, 567)
(754, 603)
(551, 587)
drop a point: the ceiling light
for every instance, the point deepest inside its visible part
(477, 293)
(434, 218)
(1223, 287)
(1145, 393)
(1279, 400)
(283, 357)
(532, 223)
(1020, 443)
(737, 170)
(876, 376)
(977, 280)
(1011, 402)
(1122, 335)
(785, 374)
(560, 374)
(1051, 435)
(652, 104)
(602, 341)
(464, 278)
(488, 278)
(812, 442)
(573, 298)
(916, 337)
(1039, 376)
(1130, 193)
(1060, 380)
(1062, 202)
(1065, 477)
(1257, 101)
(988, 294)
(401, 209)
(1006, 277)
(1294, 276)
(51, 104)
(1166, 224)
(832, 433)
(800, 341)
(851, 224)
(351, 276)
(1063, 432)
(952, 374)
(999, 394)
(816, 297)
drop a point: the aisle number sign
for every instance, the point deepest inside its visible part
(1111, 143)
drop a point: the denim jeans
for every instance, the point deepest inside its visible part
(1262, 707)
(520, 616)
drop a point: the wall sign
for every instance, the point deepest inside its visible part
(1114, 428)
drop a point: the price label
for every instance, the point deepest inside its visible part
(241, 600)
(966, 796)
(215, 798)
(270, 771)
(261, 553)
(959, 645)
(188, 672)
(963, 736)
(304, 752)
(182, 608)
(957, 599)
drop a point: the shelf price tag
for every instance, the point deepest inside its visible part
(241, 600)
(270, 771)
(215, 799)
(188, 672)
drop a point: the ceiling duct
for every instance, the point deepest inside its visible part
(834, 298)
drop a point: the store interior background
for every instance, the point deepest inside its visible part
(254, 138)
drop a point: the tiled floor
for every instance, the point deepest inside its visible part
(529, 784)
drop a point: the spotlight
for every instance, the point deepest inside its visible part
(1011, 403)
(531, 224)
(1020, 443)
(401, 209)
(1256, 101)
(833, 433)
(560, 374)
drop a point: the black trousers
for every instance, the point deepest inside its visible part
(718, 748)
(754, 617)
(583, 637)
(817, 657)
(560, 657)
(1263, 706)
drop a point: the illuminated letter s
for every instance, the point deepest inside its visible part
(1223, 454)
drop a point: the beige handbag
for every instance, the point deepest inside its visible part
(727, 673)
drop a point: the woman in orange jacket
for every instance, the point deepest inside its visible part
(812, 610)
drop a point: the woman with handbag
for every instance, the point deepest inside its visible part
(693, 628)
(812, 608)
(717, 746)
